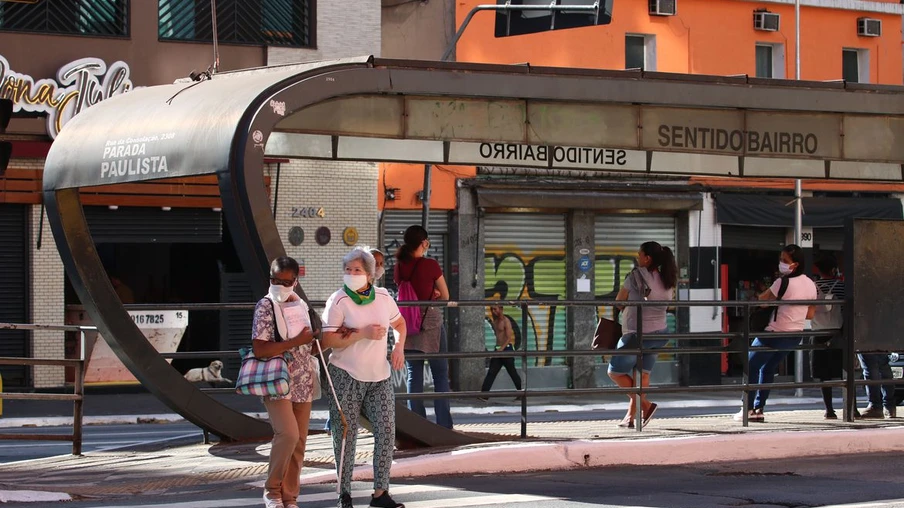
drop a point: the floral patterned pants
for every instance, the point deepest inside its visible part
(376, 402)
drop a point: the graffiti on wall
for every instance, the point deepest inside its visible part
(513, 274)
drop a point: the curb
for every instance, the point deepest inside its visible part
(61, 421)
(518, 458)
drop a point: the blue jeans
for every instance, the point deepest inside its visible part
(763, 365)
(440, 369)
(626, 364)
(875, 367)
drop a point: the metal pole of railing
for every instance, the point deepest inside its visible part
(745, 370)
(524, 341)
(638, 372)
(849, 393)
(78, 406)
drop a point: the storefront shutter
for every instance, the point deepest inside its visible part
(752, 237)
(617, 240)
(524, 258)
(395, 222)
(829, 239)
(154, 225)
(14, 290)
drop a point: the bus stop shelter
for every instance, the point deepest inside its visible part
(369, 109)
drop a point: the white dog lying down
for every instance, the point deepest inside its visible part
(210, 374)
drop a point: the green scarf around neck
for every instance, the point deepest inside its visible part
(361, 298)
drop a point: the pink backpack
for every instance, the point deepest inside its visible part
(414, 316)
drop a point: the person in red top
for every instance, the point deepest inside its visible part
(427, 280)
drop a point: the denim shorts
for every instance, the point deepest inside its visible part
(625, 364)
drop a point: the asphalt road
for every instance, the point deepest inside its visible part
(863, 481)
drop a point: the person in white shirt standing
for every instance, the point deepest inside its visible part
(787, 318)
(356, 320)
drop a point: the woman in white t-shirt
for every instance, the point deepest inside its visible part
(282, 326)
(356, 320)
(787, 318)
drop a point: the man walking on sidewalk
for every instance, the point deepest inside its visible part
(505, 341)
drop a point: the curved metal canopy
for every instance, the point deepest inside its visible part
(381, 110)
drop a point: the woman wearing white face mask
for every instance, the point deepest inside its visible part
(281, 325)
(356, 320)
(792, 285)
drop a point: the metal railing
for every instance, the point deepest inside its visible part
(848, 385)
(77, 397)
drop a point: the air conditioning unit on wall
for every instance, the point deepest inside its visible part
(766, 21)
(663, 7)
(869, 27)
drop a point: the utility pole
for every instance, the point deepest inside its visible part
(798, 204)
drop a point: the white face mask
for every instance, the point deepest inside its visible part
(281, 293)
(380, 272)
(784, 268)
(354, 282)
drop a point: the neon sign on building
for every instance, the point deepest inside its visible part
(79, 85)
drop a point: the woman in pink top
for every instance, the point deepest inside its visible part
(787, 318)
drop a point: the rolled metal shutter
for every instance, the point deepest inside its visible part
(524, 257)
(395, 222)
(752, 237)
(829, 238)
(617, 240)
(618, 237)
(14, 291)
(154, 225)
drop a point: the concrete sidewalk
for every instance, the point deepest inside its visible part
(552, 445)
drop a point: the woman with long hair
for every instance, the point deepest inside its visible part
(282, 326)
(792, 285)
(654, 278)
(426, 278)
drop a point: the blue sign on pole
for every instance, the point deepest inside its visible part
(584, 264)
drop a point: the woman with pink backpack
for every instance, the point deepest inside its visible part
(421, 279)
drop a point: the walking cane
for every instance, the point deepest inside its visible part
(341, 418)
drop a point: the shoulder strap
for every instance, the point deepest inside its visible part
(643, 287)
(783, 288)
(275, 328)
(411, 273)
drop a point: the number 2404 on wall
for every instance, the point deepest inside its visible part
(307, 212)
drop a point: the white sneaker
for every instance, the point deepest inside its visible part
(272, 503)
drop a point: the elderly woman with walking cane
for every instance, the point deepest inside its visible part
(356, 320)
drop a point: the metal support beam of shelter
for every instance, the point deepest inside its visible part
(429, 113)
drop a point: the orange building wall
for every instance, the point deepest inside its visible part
(409, 180)
(706, 37)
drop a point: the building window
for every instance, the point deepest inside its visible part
(855, 65)
(69, 17)
(258, 22)
(640, 52)
(770, 61)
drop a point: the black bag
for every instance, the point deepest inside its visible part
(608, 332)
(761, 317)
